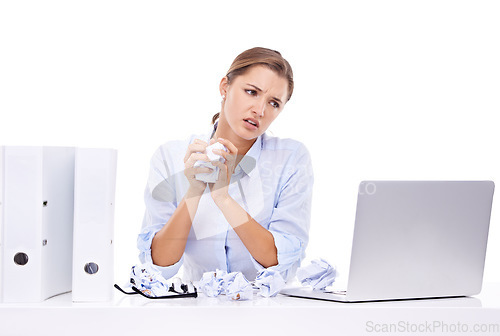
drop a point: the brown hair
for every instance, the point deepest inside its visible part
(260, 56)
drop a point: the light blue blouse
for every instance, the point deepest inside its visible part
(273, 183)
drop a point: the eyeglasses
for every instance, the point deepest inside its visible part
(183, 293)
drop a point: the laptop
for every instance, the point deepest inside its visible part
(415, 240)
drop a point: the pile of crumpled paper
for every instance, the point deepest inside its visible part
(235, 286)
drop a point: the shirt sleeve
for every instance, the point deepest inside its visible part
(160, 200)
(290, 220)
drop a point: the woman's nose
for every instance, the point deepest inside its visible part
(259, 108)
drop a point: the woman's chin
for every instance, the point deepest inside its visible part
(247, 134)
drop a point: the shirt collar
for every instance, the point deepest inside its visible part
(249, 161)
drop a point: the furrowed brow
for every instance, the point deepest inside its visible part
(260, 90)
(255, 87)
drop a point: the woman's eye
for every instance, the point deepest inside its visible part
(275, 104)
(251, 92)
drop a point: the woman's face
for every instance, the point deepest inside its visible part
(253, 100)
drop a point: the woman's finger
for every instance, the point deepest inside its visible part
(196, 157)
(222, 167)
(196, 146)
(199, 141)
(219, 164)
(229, 145)
(192, 171)
(222, 153)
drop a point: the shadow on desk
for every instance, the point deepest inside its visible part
(468, 302)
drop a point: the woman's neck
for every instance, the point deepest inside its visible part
(224, 131)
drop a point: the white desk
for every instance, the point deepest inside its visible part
(135, 315)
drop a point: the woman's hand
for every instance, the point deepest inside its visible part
(219, 189)
(195, 153)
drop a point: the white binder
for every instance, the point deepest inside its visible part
(93, 256)
(37, 213)
(1, 223)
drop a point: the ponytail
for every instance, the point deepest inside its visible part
(215, 117)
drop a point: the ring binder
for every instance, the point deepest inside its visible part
(37, 219)
(1, 220)
(95, 180)
(56, 222)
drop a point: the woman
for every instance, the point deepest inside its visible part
(256, 215)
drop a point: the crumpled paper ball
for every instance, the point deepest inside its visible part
(211, 283)
(319, 274)
(234, 285)
(149, 280)
(270, 282)
(213, 176)
(237, 287)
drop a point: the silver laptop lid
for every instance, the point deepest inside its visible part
(417, 239)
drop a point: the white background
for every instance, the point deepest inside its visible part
(383, 90)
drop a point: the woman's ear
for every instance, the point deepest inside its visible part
(223, 86)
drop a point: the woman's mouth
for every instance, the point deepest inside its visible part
(251, 123)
